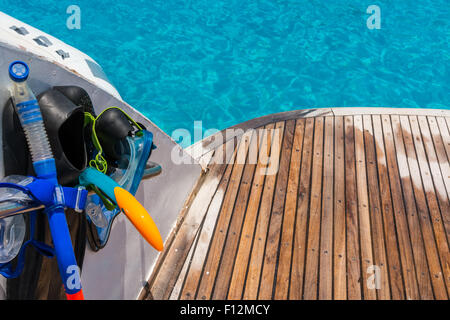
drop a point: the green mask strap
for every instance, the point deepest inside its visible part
(99, 161)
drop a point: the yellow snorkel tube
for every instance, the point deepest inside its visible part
(134, 211)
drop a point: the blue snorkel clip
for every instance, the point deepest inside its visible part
(45, 192)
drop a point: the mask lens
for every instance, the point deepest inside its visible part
(12, 234)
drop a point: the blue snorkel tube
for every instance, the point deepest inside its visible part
(46, 188)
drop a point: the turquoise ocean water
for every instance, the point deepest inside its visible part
(223, 62)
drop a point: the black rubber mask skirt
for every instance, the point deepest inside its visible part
(64, 122)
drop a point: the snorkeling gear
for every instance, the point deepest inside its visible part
(112, 126)
(100, 218)
(12, 234)
(62, 110)
(125, 155)
(64, 124)
(78, 96)
(13, 200)
(47, 192)
(134, 211)
(123, 148)
(32, 192)
(131, 165)
(63, 118)
(12, 227)
(109, 132)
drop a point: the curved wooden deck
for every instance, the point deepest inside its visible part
(323, 204)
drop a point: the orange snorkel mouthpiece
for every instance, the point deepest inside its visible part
(139, 217)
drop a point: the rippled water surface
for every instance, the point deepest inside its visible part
(227, 61)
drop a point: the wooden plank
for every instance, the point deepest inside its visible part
(439, 185)
(365, 231)
(351, 206)
(440, 233)
(434, 264)
(262, 225)
(301, 224)
(392, 248)
(408, 268)
(196, 267)
(339, 261)
(176, 291)
(225, 269)
(268, 274)
(313, 242)
(237, 283)
(440, 152)
(213, 259)
(326, 230)
(417, 242)
(172, 264)
(376, 218)
(287, 234)
(445, 134)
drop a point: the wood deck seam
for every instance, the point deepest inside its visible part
(442, 203)
(271, 196)
(285, 154)
(323, 186)
(409, 253)
(430, 212)
(438, 159)
(283, 211)
(231, 211)
(259, 142)
(391, 205)
(296, 206)
(233, 216)
(371, 248)
(226, 176)
(310, 241)
(401, 144)
(307, 218)
(424, 188)
(377, 197)
(269, 130)
(308, 204)
(271, 207)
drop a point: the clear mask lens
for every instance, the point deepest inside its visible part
(12, 234)
(13, 228)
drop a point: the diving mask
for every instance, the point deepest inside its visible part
(12, 227)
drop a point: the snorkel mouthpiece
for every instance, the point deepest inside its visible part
(139, 217)
(134, 211)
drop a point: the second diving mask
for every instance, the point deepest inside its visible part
(123, 149)
(12, 227)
